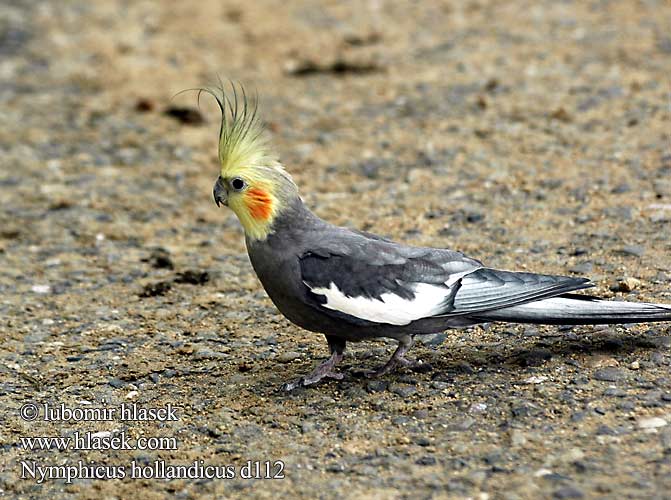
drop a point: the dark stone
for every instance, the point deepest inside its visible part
(335, 468)
(422, 368)
(568, 492)
(534, 357)
(433, 340)
(427, 460)
(401, 420)
(160, 259)
(632, 250)
(614, 392)
(144, 105)
(604, 430)
(462, 425)
(658, 358)
(525, 409)
(626, 405)
(652, 399)
(578, 416)
(609, 374)
(339, 67)
(422, 441)
(12, 39)
(376, 386)
(193, 277)
(464, 367)
(371, 168)
(474, 217)
(154, 289)
(561, 114)
(421, 414)
(621, 188)
(116, 383)
(612, 344)
(492, 458)
(185, 115)
(403, 390)
(661, 340)
(582, 268)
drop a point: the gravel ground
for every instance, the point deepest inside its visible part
(529, 135)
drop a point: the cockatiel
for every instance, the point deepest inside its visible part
(351, 285)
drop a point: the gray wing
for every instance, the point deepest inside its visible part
(363, 280)
(489, 289)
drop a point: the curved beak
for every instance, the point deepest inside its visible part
(219, 192)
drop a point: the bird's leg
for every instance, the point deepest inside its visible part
(398, 358)
(324, 369)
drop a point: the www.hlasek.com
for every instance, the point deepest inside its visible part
(120, 440)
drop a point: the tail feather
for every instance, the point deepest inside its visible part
(572, 309)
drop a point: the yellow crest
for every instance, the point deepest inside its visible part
(244, 154)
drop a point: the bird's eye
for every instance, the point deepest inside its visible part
(238, 184)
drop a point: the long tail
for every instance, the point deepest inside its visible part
(573, 309)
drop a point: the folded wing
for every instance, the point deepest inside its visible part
(384, 283)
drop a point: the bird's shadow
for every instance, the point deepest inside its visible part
(538, 351)
(447, 362)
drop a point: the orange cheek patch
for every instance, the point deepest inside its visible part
(259, 203)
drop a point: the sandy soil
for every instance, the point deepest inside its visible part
(533, 136)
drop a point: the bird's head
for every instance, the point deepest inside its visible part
(251, 182)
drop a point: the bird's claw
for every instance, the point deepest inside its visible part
(313, 378)
(290, 386)
(326, 369)
(394, 363)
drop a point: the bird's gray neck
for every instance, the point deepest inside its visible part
(292, 221)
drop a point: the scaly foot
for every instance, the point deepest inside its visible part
(394, 363)
(323, 370)
(397, 359)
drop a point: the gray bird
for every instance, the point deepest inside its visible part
(351, 285)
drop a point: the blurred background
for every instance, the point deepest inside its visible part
(526, 134)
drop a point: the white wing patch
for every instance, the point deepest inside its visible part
(390, 308)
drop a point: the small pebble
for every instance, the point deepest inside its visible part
(116, 383)
(377, 385)
(632, 250)
(626, 406)
(609, 374)
(614, 392)
(335, 468)
(518, 438)
(568, 492)
(625, 285)
(462, 425)
(604, 430)
(288, 356)
(651, 423)
(403, 390)
(427, 460)
(478, 408)
(582, 268)
(185, 115)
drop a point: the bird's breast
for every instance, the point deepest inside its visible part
(278, 270)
